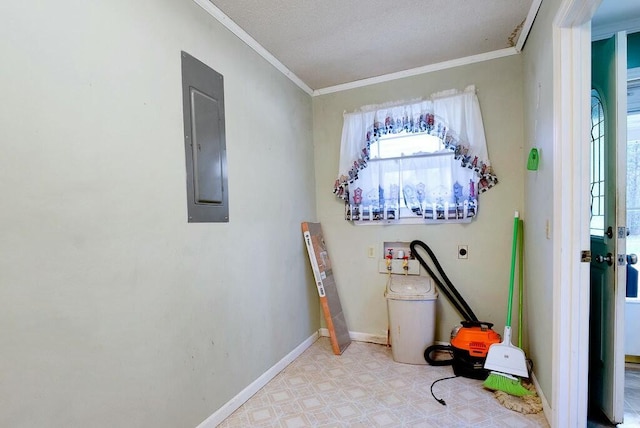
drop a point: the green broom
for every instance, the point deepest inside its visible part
(504, 357)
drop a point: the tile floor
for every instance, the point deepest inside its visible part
(364, 387)
(631, 396)
(631, 401)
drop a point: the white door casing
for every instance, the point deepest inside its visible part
(572, 84)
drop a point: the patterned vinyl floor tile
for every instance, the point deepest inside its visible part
(364, 387)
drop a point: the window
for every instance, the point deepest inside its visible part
(410, 176)
(422, 162)
(404, 144)
(597, 182)
(633, 169)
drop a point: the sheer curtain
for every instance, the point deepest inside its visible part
(430, 186)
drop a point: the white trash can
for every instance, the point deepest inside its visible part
(411, 304)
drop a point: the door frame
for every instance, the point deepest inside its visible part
(571, 102)
(611, 85)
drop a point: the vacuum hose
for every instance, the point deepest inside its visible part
(433, 348)
(449, 290)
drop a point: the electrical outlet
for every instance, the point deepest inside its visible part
(371, 252)
(463, 251)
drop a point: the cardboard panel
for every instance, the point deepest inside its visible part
(327, 289)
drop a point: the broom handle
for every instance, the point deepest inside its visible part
(514, 246)
(520, 280)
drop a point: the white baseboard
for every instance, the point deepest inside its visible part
(360, 337)
(232, 405)
(368, 337)
(545, 404)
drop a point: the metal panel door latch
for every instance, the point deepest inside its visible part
(622, 232)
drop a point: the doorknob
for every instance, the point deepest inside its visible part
(632, 259)
(608, 259)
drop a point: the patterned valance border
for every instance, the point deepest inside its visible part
(426, 123)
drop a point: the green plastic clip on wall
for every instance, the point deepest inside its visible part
(534, 159)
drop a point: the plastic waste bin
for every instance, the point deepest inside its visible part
(411, 304)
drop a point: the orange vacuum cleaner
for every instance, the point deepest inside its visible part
(470, 341)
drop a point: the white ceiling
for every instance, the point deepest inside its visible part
(334, 42)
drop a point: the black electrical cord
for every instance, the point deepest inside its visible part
(440, 400)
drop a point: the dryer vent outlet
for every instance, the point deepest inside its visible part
(463, 251)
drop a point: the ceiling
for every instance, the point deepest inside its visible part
(330, 45)
(336, 42)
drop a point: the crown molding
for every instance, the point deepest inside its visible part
(251, 42)
(419, 70)
(528, 23)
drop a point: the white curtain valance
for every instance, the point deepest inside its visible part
(453, 116)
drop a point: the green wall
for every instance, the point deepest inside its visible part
(114, 311)
(483, 278)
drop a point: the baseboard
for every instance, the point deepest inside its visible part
(360, 337)
(370, 338)
(232, 405)
(545, 404)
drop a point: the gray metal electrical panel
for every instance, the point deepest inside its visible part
(204, 142)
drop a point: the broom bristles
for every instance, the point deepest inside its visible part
(503, 382)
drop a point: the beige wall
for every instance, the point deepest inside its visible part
(538, 105)
(114, 311)
(483, 278)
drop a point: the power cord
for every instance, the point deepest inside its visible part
(440, 400)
